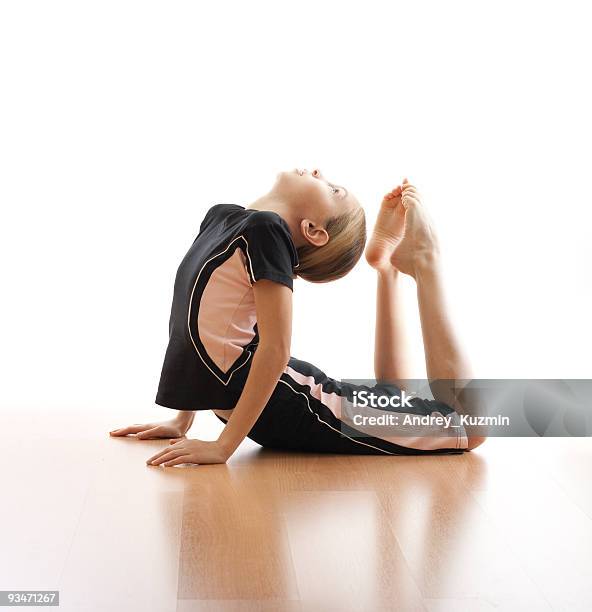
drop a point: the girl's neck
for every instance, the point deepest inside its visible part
(273, 203)
(269, 202)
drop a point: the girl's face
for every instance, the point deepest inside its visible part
(311, 195)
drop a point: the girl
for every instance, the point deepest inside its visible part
(230, 326)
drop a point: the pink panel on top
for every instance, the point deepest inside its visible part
(423, 441)
(227, 312)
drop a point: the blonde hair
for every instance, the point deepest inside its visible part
(347, 238)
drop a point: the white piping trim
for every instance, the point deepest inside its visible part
(327, 424)
(191, 302)
(249, 258)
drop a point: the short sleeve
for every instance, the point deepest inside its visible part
(271, 252)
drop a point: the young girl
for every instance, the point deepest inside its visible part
(231, 318)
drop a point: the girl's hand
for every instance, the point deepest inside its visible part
(190, 451)
(174, 428)
(151, 431)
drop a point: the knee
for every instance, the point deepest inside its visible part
(475, 441)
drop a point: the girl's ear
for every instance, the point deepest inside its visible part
(313, 234)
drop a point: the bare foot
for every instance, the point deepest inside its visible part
(175, 428)
(388, 230)
(418, 244)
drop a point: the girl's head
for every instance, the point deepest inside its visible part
(327, 223)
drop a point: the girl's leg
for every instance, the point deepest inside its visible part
(417, 254)
(391, 363)
(311, 412)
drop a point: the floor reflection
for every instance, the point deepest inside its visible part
(324, 528)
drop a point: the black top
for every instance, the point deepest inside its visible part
(213, 322)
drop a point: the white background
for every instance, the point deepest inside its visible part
(122, 122)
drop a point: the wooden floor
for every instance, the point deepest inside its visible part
(507, 527)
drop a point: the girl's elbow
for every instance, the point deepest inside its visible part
(276, 354)
(283, 356)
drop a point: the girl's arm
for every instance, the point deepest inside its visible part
(273, 302)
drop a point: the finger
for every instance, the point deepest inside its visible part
(179, 439)
(154, 458)
(147, 433)
(166, 450)
(158, 432)
(396, 190)
(166, 457)
(408, 188)
(405, 180)
(124, 431)
(175, 446)
(177, 461)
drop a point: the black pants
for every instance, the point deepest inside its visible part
(304, 414)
